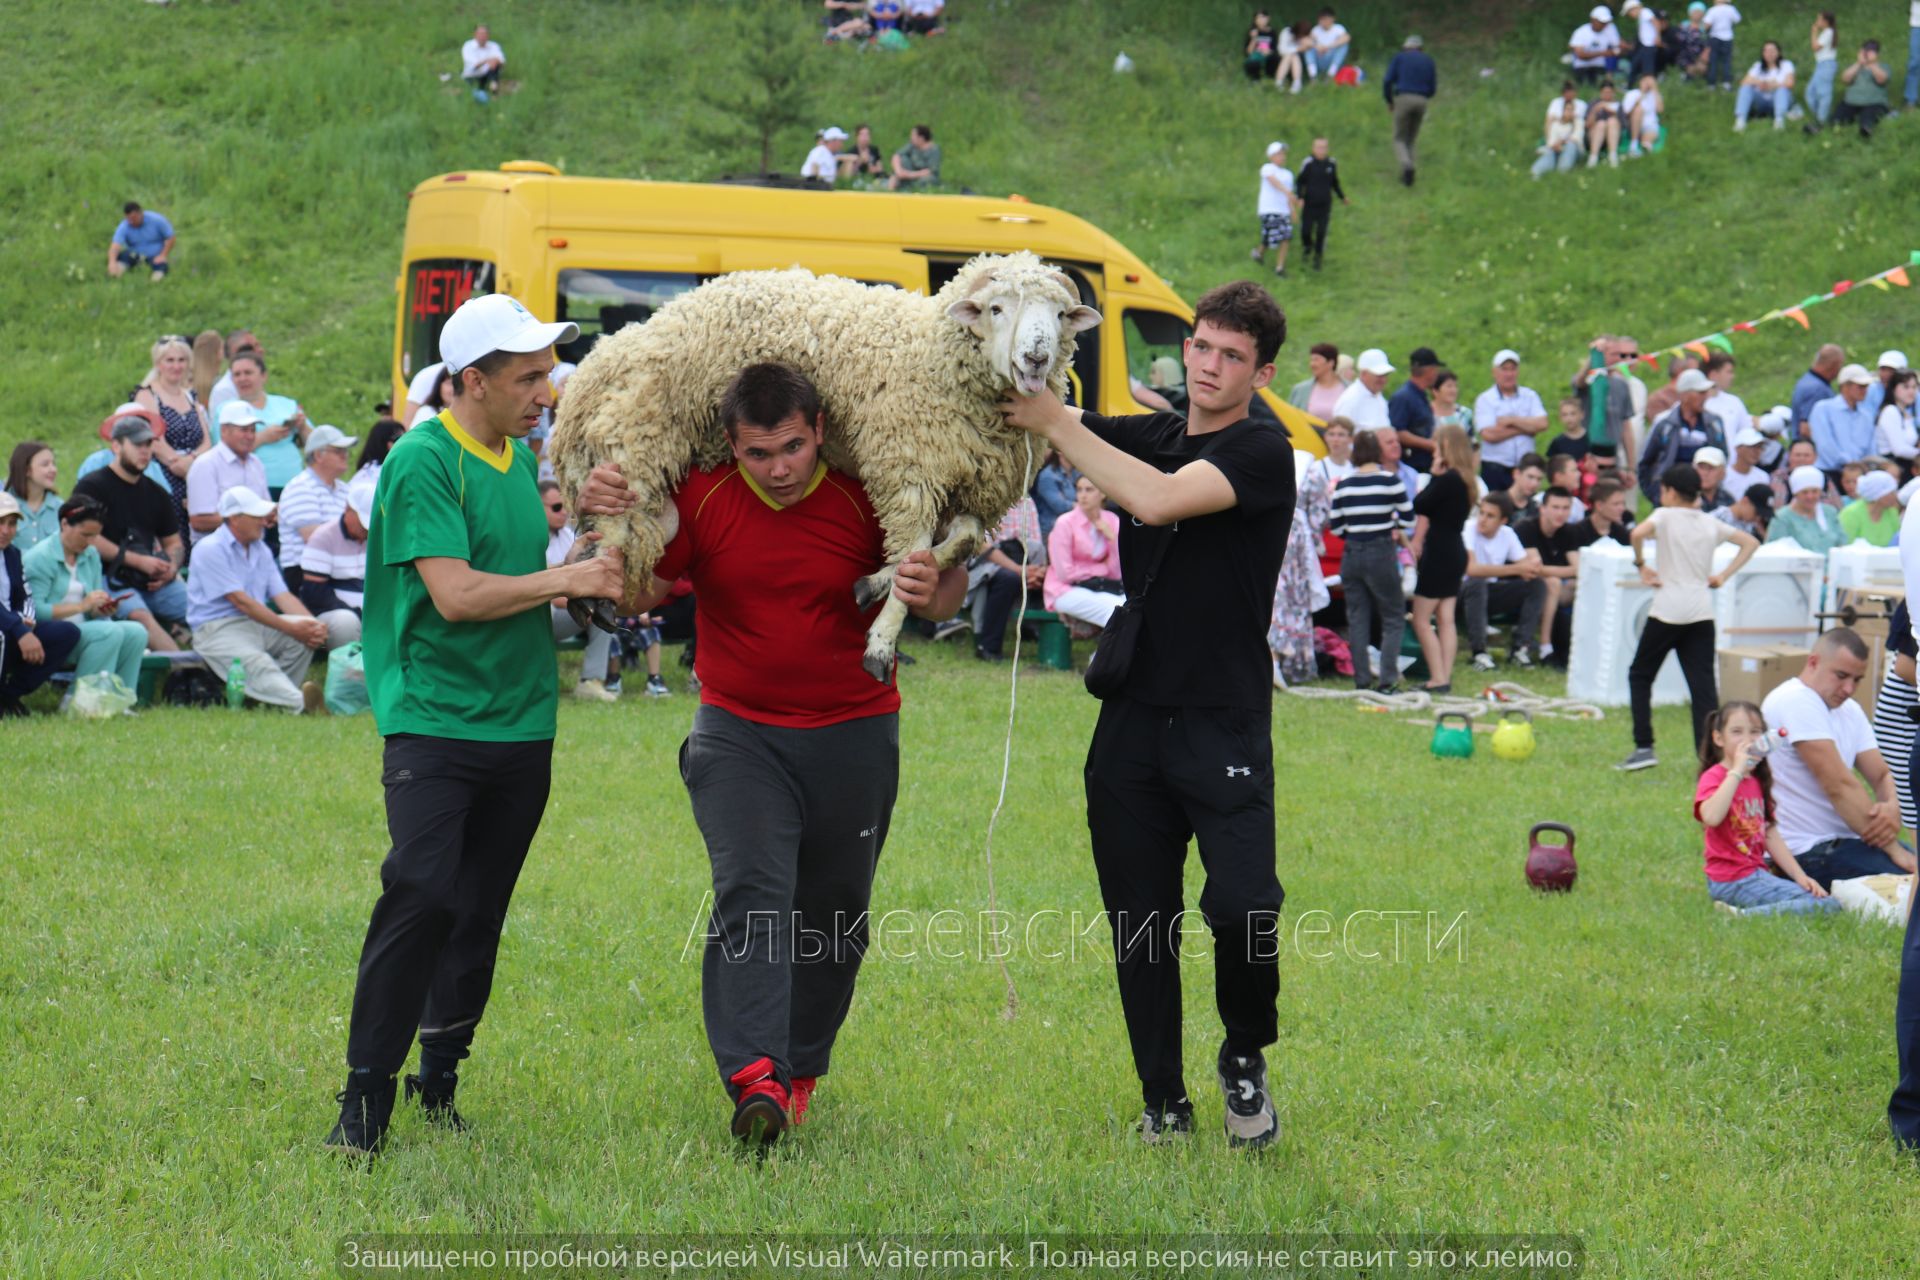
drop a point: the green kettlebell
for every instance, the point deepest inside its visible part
(1455, 741)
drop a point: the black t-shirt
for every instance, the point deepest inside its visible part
(1576, 449)
(1553, 550)
(1203, 640)
(138, 515)
(1620, 531)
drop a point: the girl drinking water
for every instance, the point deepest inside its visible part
(1734, 803)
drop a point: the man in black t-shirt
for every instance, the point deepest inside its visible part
(139, 541)
(1186, 748)
(1318, 184)
(1558, 540)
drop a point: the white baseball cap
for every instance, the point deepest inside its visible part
(1505, 354)
(1275, 148)
(833, 133)
(242, 501)
(9, 507)
(1893, 359)
(1693, 380)
(497, 322)
(1709, 456)
(1804, 478)
(1601, 13)
(325, 437)
(1749, 436)
(238, 413)
(1373, 360)
(1855, 373)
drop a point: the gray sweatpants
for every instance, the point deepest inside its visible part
(794, 820)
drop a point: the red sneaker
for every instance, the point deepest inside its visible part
(800, 1095)
(760, 1110)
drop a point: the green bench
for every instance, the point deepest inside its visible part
(1056, 642)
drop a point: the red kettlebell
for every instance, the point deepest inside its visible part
(1550, 866)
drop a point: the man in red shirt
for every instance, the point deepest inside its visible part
(794, 757)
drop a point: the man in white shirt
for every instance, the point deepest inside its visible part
(227, 464)
(1721, 20)
(1593, 43)
(1723, 404)
(1564, 132)
(1502, 576)
(822, 163)
(1329, 46)
(1508, 416)
(1362, 404)
(1276, 208)
(480, 63)
(1833, 827)
(1744, 471)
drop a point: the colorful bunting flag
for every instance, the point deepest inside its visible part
(1899, 276)
(1798, 316)
(1744, 327)
(1814, 300)
(1798, 313)
(1720, 340)
(1881, 285)
(1840, 287)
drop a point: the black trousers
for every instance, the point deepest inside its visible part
(1903, 1108)
(1002, 588)
(461, 815)
(1693, 641)
(1156, 778)
(1313, 227)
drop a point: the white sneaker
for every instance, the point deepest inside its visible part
(1739, 126)
(1593, 159)
(1483, 662)
(1727, 908)
(594, 691)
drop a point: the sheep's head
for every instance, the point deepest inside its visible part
(1024, 315)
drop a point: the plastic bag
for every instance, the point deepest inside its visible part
(347, 681)
(100, 696)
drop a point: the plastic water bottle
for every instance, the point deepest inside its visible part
(236, 683)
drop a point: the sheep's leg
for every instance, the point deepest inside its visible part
(587, 612)
(883, 635)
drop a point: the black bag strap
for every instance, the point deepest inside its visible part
(1159, 557)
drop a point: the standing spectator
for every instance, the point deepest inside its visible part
(1294, 43)
(234, 581)
(916, 166)
(141, 239)
(139, 540)
(823, 162)
(1373, 513)
(1324, 473)
(1721, 402)
(1608, 395)
(1508, 417)
(1083, 559)
(1441, 512)
(31, 648)
(1646, 47)
(1826, 65)
(925, 18)
(1843, 425)
(1331, 44)
(592, 685)
(1502, 576)
(1668, 396)
(1002, 580)
(69, 585)
(1262, 60)
(315, 496)
(1874, 514)
(1320, 393)
(480, 63)
(1711, 464)
(31, 475)
(1572, 441)
(1912, 93)
(1806, 520)
(1053, 491)
(1720, 21)
(1411, 81)
(1603, 127)
(1301, 590)
(1864, 99)
(1894, 432)
(1553, 535)
(1594, 45)
(1319, 183)
(187, 432)
(1447, 409)
(281, 425)
(1766, 90)
(1815, 385)
(1643, 105)
(1680, 619)
(1410, 412)
(864, 160)
(1564, 132)
(1362, 404)
(1275, 208)
(1678, 434)
(1393, 460)
(229, 463)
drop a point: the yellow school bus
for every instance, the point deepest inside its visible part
(605, 253)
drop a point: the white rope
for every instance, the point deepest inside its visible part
(1006, 761)
(1499, 696)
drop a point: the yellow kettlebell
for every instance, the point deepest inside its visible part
(1513, 738)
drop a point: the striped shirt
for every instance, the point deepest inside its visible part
(303, 503)
(1370, 504)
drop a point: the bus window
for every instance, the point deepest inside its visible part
(604, 302)
(1155, 349)
(435, 289)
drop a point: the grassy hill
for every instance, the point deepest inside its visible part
(282, 139)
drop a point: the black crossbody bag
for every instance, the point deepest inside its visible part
(1113, 656)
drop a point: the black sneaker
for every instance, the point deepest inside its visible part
(366, 1109)
(436, 1100)
(1166, 1122)
(1250, 1118)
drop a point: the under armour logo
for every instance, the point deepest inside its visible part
(869, 831)
(1242, 771)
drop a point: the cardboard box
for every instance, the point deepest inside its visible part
(1748, 673)
(1873, 607)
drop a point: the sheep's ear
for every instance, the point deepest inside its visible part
(1081, 318)
(966, 311)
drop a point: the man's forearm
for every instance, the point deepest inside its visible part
(1130, 483)
(463, 593)
(256, 611)
(947, 596)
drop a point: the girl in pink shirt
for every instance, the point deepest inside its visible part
(1083, 559)
(1734, 803)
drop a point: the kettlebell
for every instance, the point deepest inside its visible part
(1513, 738)
(1551, 867)
(1455, 741)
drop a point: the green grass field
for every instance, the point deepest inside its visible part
(186, 892)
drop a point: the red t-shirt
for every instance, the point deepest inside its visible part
(1738, 846)
(780, 637)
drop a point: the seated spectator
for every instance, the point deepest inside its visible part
(1330, 47)
(1606, 513)
(1863, 100)
(1502, 577)
(1680, 432)
(1834, 828)
(480, 62)
(142, 239)
(229, 463)
(1684, 43)
(1895, 432)
(332, 577)
(31, 648)
(1843, 424)
(228, 597)
(1529, 476)
(1083, 559)
(1604, 118)
(916, 166)
(281, 434)
(1751, 512)
(1337, 465)
(594, 671)
(925, 18)
(1295, 41)
(366, 477)
(316, 495)
(885, 15)
(1711, 463)
(1766, 91)
(1594, 45)
(69, 585)
(1799, 454)
(31, 475)
(1555, 537)
(848, 20)
(1734, 803)
(139, 540)
(1323, 388)
(1805, 519)
(1373, 512)
(1447, 409)
(103, 456)
(1563, 472)
(1262, 52)
(1745, 470)
(823, 163)
(863, 160)
(1564, 132)
(1874, 515)
(187, 431)
(997, 582)
(1053, 492)
(237, 343)
(1643, 105)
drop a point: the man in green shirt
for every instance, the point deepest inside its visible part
(461, 672)
(916, 166)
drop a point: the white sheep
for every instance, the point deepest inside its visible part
(908, 384)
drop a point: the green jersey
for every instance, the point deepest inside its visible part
(442, 494)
